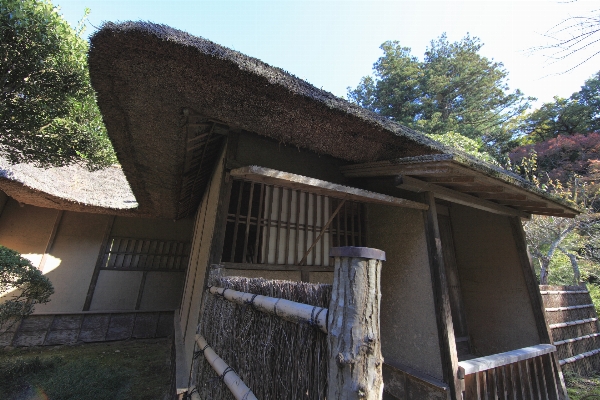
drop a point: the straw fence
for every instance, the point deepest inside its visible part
(276, 358)
(574, 325)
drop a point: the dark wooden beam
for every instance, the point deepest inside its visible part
(443, 193)
(442, 300)
(503, 196)
(480, 189)
(51, 238)
(519, 203)
(96, 273)
(450, 179)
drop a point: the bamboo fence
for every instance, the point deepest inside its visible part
(274, 357)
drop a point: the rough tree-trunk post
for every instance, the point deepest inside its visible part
(354, 351)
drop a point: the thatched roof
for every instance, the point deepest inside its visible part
(69, 188)
(149, 76)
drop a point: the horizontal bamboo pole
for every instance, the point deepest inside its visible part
(285, 309)
(568, 308)
(235, 384)
(572, 323)
(579, 357)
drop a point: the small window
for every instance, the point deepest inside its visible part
(145, 254)
(269, 224)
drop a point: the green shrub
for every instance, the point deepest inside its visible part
(23, 285)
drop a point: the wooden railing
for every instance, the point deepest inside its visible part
(527, 373)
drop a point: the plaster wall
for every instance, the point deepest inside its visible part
(116, 290)
(497, 306)
(148, 228)
(409, 334)
(162, 291)
(26, 229)
(256, 150)
(71, 260)
(321, 277)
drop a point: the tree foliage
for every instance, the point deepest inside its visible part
(578, 114)
(555, 242)
(454, 89)
(23, 284)
(564, 157)
(48, 111)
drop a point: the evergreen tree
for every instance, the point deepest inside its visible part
(454, 89)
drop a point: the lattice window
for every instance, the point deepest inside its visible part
(125, 254)
(268, 224)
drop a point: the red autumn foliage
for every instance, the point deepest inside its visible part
(564, 156)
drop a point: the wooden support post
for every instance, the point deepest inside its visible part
(354, 344)
(50, 243)
(96, 273)
(442, 300)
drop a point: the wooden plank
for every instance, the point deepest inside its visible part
(439, 283)
(478, 188)
(277, 267)
(138, 302)
(446, 165)
(96, 273)
(503, 196)
(471, 386)
(181, 362)
(548, 366)
(443, 193)
(293, 181)
(322, 231)
(521, 203)
(450, 179)
(501, 359)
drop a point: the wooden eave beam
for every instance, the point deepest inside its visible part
(519, 203)
(503, 196)
(450, 179)
(453, 177)
(443, 193)
(479, 189)
(299, 182)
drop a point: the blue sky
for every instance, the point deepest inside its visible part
(333, 43)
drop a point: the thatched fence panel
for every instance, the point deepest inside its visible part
(276, 358)
(574, 326)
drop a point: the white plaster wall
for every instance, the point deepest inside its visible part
(116, 290)
(72, 259)
(162, 291)
(408, 324)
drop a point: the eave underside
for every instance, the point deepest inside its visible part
(449, 180)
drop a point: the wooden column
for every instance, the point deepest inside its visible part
(354, 343)
(442, 300)
(96, 273)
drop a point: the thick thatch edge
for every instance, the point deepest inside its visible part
(274, 75)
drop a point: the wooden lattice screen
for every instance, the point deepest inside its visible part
(269, 224)
(127, 254)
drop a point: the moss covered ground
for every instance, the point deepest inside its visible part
(134, 369)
